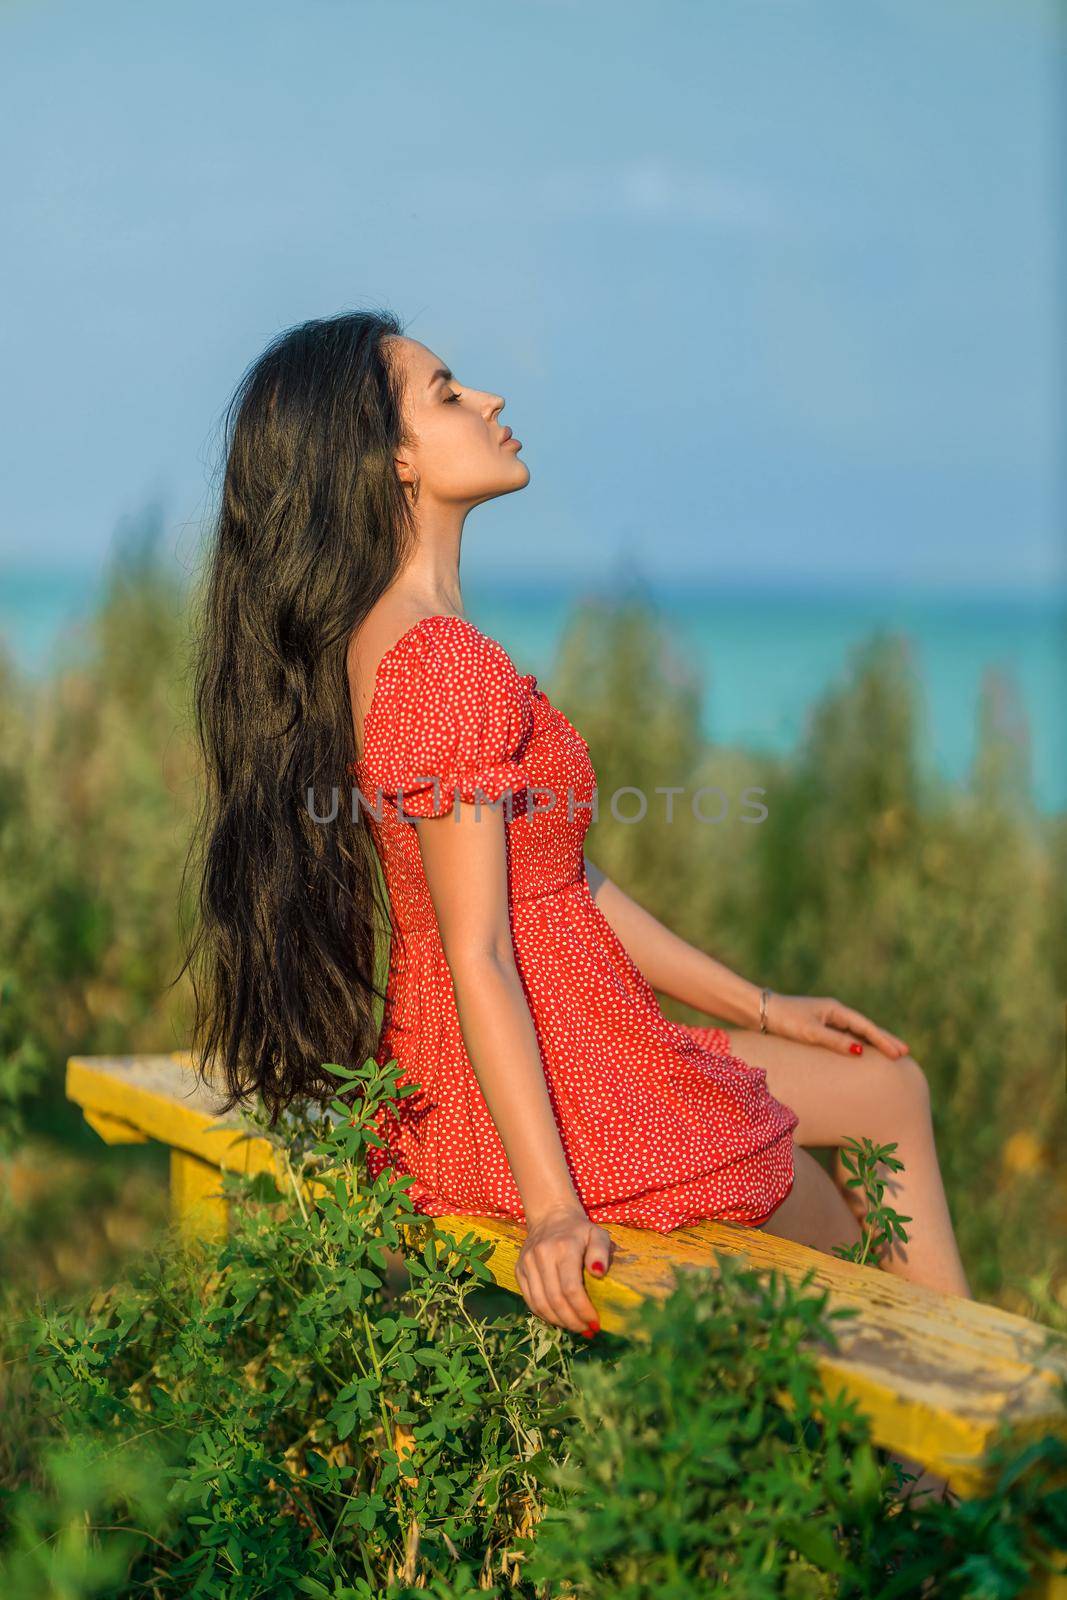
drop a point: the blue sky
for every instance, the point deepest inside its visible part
(771, 289)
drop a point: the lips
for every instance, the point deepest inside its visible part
(505, 436)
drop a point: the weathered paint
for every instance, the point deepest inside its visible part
(195, 1197)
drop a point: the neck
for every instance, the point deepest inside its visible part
(431, 575)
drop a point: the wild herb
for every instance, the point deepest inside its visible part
(338, 1401)
(881, 1225)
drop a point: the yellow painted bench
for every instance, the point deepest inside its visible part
(936, 1375)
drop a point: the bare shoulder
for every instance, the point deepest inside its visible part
(380, 638)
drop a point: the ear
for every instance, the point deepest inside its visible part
(404, 471)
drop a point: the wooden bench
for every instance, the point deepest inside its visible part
(936, 1375)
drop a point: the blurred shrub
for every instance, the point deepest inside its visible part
(97, 783)
(940, 912)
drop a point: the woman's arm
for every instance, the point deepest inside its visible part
(466, 871)
(669, 962)
(465, 859)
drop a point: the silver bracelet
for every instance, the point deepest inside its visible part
(763, 1009)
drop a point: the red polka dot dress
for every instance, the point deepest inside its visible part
(660, 1123)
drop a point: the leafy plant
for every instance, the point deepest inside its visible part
(867, 1161)
(339, 1401)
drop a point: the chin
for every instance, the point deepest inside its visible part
(516, 481)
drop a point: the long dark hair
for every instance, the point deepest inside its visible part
(313, 526)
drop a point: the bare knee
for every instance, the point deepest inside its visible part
(914, 1086)
(899, 1096)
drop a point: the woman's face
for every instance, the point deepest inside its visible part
(458, 447)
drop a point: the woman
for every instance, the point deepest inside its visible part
(521, 987)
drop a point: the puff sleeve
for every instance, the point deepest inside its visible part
(450, 720)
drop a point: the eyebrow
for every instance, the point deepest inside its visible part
(442, 372)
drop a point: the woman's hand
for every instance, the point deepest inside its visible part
(827, 1022)
(561, 1245)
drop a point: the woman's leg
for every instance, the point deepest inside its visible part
(814, 1212)
(838, 1097)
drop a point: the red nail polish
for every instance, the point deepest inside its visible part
(596, 1266)
(857, 1049)
(594, 1327)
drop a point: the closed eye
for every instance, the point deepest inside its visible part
(452, 397)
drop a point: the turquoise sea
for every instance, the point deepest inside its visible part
(765, 656)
